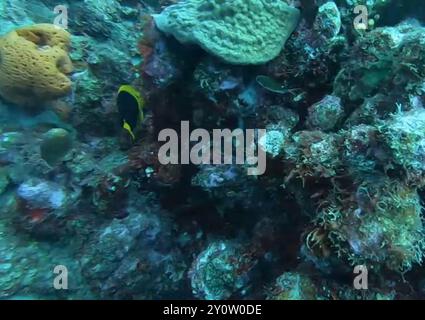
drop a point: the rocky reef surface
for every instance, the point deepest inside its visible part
(341, 95)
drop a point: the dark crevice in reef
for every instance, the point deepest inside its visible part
(400, 10)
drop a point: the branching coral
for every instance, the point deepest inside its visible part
(405, 136)
(380, 226)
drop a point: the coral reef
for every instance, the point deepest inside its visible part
(219, 271)
(135, 253)
(344, 145)
(293, 286)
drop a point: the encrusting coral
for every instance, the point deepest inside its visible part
(57, 142)
(34, 64)
(239, 31)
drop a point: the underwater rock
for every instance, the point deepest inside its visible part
(110, 195)
(325, 114)
(55, 145)
(87, 89)
(110, 61)
(311, 55)
(314, 154)
(4, 180)
(328, 20)
(40, 194)
(45, 77)
(220, 271)
(43, 208)
(214, 177)
(349, 293)
(372, 110)
(20, 153)
(105, 54)
(272, 142)
(26, 266)
(230, 188)
(276, 117)
(90, 171)
(239, 32)
(112, 244)
(404, 134)
(388, 61)
(361, 151)
(96, 18)
(162, 67)
(11, 139)
(293, 286)
(133, 253)
(216, 80)
(16, 13)
(278, 122)
(380, 226)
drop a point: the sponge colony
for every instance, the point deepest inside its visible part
(237, 31)
(34, 64)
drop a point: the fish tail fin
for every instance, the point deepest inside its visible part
(127, 127)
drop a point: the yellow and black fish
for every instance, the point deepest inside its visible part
(130, 105)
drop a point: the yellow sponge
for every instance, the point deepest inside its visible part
(34, 64)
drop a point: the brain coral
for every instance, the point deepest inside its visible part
(238, 31)
(33, 64)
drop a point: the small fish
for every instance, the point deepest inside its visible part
(271, 85)
(130, 105)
